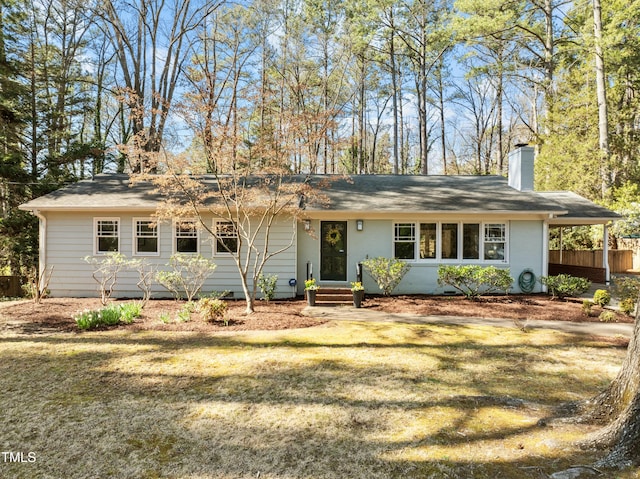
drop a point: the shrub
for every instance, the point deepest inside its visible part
(627, 306)
(130, 311)
(626, 290)
(564, 285)
(188, 275)
(607, 317)
(602, 297)
(268, 286)
(87, 319)
(387, 272)
(108, 316)
(106, 272)
(474, 280)
(212, 309)
(587, 305)
(184, 315)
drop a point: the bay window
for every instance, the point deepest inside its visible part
(475, 242)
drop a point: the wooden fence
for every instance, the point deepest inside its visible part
(620, 260)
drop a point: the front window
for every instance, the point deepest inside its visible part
(146, 237)
(404, 242)
(186, 232)
(468, 242)
(450, 241)
(226, 237)
(107, 235)
(495, 239)
(428, 240)
(471, 241)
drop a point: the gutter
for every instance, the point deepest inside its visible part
(42, 241)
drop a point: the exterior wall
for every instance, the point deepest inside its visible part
(70, 238)
(526, 245)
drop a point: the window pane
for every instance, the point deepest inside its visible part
(146, 236)
(495, 232)
(227, 245)
(187, 245)
(147, 245)
(405, 232)
(494, 241)
(449, 241)
(471, 241)
(186, 237)
(107, 233)
(227, 241)
(428, 240)
(404, 250)
(107, 245)
(404, 246)
(494, 251)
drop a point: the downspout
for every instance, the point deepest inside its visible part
(605, 254)
(545, 251)
(42, 242)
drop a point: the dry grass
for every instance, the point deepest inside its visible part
(345, 400)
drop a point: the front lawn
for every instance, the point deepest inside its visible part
(341, 400)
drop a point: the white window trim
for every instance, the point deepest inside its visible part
(134, 229)
(438, 259)
(223, 252)
(174, 236)
(97, 219)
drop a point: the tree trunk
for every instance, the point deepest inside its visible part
(601, 90)
(619, 408)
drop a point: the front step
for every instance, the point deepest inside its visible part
(334, 296)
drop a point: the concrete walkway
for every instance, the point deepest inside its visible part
(349, 313)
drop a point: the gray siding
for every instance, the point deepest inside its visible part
(70, 238)
(525, 251)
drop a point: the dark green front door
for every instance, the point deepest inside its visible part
(333, 251)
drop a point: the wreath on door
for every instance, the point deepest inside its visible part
(333, 236)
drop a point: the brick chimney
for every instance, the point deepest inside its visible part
(521, 167)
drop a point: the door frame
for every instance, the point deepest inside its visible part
(344, 244)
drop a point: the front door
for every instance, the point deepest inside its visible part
(333, 251)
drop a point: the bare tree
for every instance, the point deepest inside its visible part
(151, 40)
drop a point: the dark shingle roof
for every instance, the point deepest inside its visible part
(358, 193)
(579, 209)
(397, 193)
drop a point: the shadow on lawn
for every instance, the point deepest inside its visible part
(289, 408)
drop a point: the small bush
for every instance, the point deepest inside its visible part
(608, 317)
(187, 276)
(601, 297)
(627, 306)
(565, 285)
(165, 317)
(626, 290)
(268, 286)
(587, 305)
(109, 316)
(387, 272)
(184, 315)
(212, 309)
(130, 311)
(87, 319)
(474, 280)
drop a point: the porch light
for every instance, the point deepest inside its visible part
(307, 225)
(359, 225)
